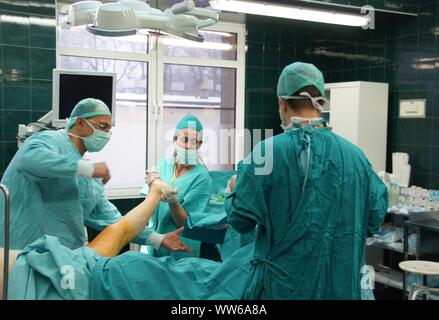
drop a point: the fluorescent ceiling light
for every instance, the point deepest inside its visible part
(290, 12)
(192, 44)
(217, 33)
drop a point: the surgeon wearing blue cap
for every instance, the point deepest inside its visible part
(314, 209)
(185, 172)
(55, 192)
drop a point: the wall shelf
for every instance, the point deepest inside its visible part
(391, 248)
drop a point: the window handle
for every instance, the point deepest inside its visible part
(157, 110)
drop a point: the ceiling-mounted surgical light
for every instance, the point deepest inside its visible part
(126, 17)
(114, 19)
(290, 12)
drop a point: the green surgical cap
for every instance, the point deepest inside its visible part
(297, 76)
(88, 108)
(189, 121)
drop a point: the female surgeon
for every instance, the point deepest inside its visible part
(184, 172)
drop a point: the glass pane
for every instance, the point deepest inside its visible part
(216, 45)
(126, 152)
(208, 93)
(78, 37)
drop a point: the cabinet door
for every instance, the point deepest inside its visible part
(344, 112)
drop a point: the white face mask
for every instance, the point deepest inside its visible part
(283, 126)
(96, 141)
(304, 121)
(187, 157)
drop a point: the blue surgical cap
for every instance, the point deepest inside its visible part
(189, 121)
(88, 108)
(297, 76)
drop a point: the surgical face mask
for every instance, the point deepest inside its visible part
(282, 125)
(96, 141)
(298, 122)
(187, 157)
(304, 121)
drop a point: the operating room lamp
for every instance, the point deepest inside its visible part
(126, 17)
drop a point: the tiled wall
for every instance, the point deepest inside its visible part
(27, 57)
(400, 51)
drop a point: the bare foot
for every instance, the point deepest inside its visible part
(167, 193)
(158, 185)
(151, 175)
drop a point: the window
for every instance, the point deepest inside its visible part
(129, 133)
(159, 80)
(210, 94)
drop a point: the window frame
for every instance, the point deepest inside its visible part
(156, 61)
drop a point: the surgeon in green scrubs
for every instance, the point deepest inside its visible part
(55, 192)
(314, 209)
(186, 173)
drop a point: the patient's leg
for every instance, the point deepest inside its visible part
(114, 237)
(12, 258)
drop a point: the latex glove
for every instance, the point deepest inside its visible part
(151, 175)
(172, 242)
(169, 194)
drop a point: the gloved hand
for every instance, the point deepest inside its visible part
(169, 194)
(151, 175)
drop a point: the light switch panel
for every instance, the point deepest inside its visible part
(412, 108)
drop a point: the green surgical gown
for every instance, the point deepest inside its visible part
(194, 189)
(309, 245)
(134, 275)
(48, 270)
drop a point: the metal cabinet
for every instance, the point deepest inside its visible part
(358, 112)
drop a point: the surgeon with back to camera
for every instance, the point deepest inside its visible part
(314, 210)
